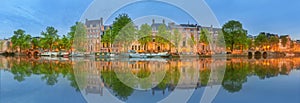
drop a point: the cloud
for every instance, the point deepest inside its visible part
(35, 15)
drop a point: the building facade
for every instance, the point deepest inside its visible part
(95, 29)
(189, 38)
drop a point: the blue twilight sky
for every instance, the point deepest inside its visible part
(275, 16)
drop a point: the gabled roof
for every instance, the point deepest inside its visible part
(92, 22)
(156, 25)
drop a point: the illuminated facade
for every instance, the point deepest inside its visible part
(95, 29)
(189, 42)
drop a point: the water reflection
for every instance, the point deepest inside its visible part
(48, 70)
(155, 79)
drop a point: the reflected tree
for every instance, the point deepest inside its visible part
(234, 77)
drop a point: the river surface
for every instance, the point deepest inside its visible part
(192, 80)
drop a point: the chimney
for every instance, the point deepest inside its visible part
(153, 21)
(101, 21)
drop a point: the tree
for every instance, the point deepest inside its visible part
(177, 38)
(71, 34)
(203, 36)
(243, 42)
(283, 40)
(192, 41)
(123, 30)
(127, 35)
(145, 34)
(163, 35)
(50, 37)
(220, 40)
(78, 37)
(249, 43)
(274, 41)
(64, 43)
(261, 40)
(234, 34)
(20, 40)
(120, 22)
(107, 37)
(35, 43)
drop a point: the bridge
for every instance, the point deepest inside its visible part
(264, 54)
(32, 52)
(258, 54)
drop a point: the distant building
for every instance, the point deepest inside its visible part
(287, 46)
(5, 45)
(95, 29)
(187, 31)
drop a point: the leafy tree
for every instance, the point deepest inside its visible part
(20, 40)
(127, 35)
(261, 40)
(50, 37)
(71, 34)
(35, 43)
(249, 43)
(145, 34)
(123, 31)
(192, 41)
(204, 36)
(120, 22)
(78, 37)
(220, 40)
(107, 37)
(1, 45)
(274, 41)
(64, 43)
(163, 35)
(234, 34)
(243, 42)
(177, 38)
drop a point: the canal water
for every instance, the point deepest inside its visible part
(82, 80)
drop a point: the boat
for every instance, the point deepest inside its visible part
(136, 55)
(148, 59)
(77, 54)
(49, 54)
(133, 54)
(63, 54)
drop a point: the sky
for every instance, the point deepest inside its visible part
(274, 16)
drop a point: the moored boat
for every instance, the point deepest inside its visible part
(148, 55)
